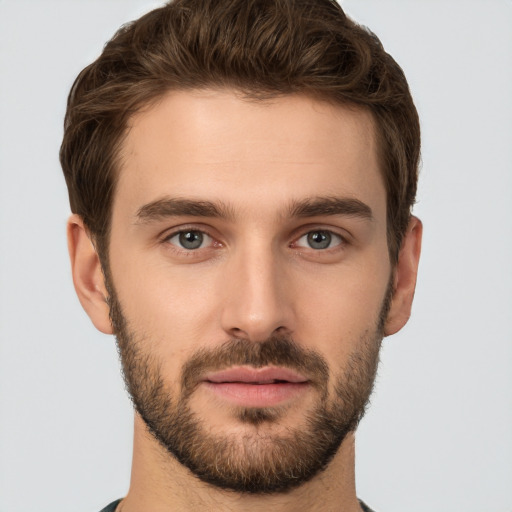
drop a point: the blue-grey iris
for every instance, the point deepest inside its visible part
(191, 239)
(319, 239)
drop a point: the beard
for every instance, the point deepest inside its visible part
(259, 461)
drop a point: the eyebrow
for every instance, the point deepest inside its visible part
(320, 206)
(175, 207)
(310, 207)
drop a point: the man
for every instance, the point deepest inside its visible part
(241, 175)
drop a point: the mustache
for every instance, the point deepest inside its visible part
(275, 351)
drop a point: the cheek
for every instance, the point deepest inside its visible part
(177, 309)
(172, 308)
(342, 324)
(340, 308)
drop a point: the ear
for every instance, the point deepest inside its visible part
(87, 275)
(405, 274)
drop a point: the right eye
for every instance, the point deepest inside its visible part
(190, 239)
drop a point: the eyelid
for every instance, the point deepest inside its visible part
(165, 237)
(337, 239)
(183, 228)
(207, 239)
(344, 237)
(340, 233)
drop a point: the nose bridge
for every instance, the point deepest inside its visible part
(257, 303)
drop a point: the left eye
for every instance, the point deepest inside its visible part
(190, 239)
(319, 239)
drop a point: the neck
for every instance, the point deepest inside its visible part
(160, 483)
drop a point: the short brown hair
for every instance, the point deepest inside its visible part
(262, 48)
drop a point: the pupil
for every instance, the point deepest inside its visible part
(319, 239)
(191, 239)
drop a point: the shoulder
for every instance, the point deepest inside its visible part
(364, 507)
(112, 507)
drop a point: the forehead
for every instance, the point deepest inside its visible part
(215, 144)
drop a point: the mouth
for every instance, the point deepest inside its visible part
(256, 387)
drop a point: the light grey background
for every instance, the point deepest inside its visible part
(438, 436)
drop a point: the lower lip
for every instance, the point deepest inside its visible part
(257, 395)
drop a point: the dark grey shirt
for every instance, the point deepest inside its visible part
(112, 507)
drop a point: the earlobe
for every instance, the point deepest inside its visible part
(87, 275)
(405, 278)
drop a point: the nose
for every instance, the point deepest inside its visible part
(257, 296)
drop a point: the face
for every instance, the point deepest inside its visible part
(249, 281)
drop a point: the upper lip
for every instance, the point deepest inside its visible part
(251, 375)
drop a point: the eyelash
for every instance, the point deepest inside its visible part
(342, 241)
(184, 251)
(329, 234)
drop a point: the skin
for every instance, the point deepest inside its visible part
(256, 275)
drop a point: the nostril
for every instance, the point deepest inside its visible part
(238, 333)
